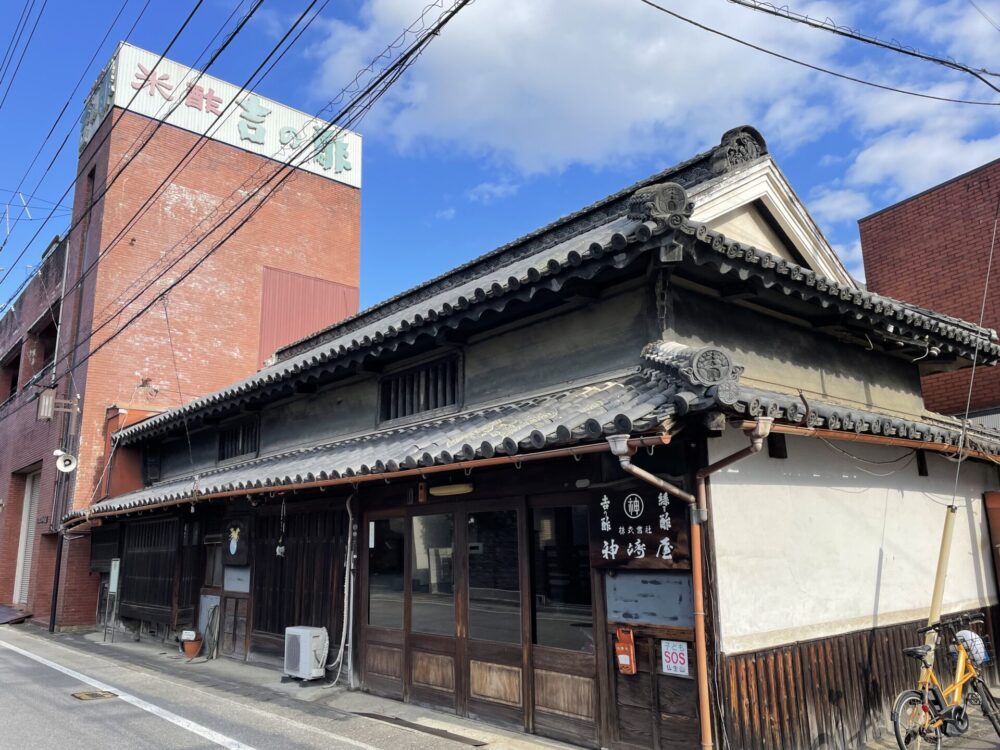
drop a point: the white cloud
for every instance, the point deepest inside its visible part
(837, 206)
(445, 214)
(489, 192)
(538, 85)
(915, 160)
(850, 254)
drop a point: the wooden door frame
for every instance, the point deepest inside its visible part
(524, 505)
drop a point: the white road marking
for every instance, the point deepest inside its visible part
(241, 706)
(193, 727)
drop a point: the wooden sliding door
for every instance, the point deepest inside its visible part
(484, 608)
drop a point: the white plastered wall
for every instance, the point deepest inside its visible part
(821, 543)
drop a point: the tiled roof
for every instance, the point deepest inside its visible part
(636, 401)
(676, 381)
(611, 233)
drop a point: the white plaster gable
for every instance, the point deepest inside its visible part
(740, 204)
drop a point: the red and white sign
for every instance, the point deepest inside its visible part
(674, 657)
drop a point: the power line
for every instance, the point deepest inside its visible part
(24, 49)
(15, 38)
(96, 149)
(984, 14)
(810, 66)
(69, 100)
(830, 26)
(416, 28)
(975, 353)
(197, 145)
(363, 101)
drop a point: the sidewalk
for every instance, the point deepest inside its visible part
(262, 687)
(979, 737)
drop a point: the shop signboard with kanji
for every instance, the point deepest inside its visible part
(139, 81)
(639, 528)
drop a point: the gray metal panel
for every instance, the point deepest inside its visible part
(650, 598)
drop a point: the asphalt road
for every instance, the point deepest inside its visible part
(38, 679)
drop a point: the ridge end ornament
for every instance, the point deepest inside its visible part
(659, 202)
(738, 146)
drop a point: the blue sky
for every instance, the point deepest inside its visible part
(525, 110)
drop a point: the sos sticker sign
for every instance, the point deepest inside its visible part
(674, 657)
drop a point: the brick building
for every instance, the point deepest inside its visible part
(932, 250)
(139, 223)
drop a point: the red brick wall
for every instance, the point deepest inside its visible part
(932, 250)
(310, 227)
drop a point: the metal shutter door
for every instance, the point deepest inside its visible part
(30, 518)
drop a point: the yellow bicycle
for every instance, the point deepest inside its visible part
(932, 711)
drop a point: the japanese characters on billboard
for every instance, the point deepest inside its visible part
(139, 81)
(640, 528)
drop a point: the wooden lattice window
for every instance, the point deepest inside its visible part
(239, 440)
(432, 386)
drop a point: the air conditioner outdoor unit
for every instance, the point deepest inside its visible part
(306, 652)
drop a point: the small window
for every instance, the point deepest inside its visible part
(9, 371)
(213, 561)
(429, 387)
(151, 464)
(239, 440)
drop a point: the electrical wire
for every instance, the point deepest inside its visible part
(362, 102)
(96, 149)
(72, 94)
(15, 38)
(829, 26)
(24, 49)
(908, 454)
(242, 189)
(975, 357)
(984, 14)
(365, 100)
(128, 155)
(817, 68)
(195, 149)
(416, 27)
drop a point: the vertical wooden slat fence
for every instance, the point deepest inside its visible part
(831, 693)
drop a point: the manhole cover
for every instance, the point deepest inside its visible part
(93, 695)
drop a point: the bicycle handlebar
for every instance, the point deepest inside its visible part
(951, 622)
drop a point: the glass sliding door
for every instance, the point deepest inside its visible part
(495, 591)
(494, 577)
(384, 592)
(563, 658)
(431, 633)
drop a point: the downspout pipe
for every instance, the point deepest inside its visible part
(699, 514)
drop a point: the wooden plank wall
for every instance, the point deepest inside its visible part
(829, 693)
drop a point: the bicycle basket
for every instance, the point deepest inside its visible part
(975, 645)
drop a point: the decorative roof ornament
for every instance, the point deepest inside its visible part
(659, 202)
(739, 146)
(709, 371)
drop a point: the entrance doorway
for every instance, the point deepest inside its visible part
(485, 609)
(25, 544)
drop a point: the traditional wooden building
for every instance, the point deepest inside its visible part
(627, 481)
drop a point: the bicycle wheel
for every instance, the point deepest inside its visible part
(991, 708)
(909, 721)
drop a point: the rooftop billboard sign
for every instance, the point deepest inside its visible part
(163, 90)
